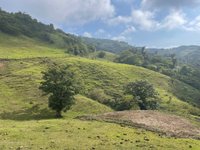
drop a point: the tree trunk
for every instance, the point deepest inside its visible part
(58, 114)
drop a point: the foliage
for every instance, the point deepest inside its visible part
(128, 57)
(107, 76)
(181, 63)
(107, 45)
(22, 24)
(144, 93)
(58, 82)
(125, 102)
(101, 54)
(189, 75)
(65, 133)
(99, 95)
(189, 55)
(167, 65)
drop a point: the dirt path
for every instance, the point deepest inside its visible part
(170, 125)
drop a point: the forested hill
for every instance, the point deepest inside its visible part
(21, 24)
(107, 45)
(187, 54)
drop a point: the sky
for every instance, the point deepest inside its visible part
(150, 23)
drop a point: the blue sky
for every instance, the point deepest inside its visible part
(150, 23)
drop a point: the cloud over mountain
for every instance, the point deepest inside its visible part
(68, 11)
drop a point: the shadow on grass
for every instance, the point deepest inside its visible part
(33, 113)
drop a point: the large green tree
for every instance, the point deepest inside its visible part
(144, 93)
(58, 82)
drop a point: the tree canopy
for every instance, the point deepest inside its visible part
(144, 93)
(59, 84)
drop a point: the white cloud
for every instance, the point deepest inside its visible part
(87, 34)
(194, 25)
(144, 19)
(100, 31)
(73, 12)
(175, 19)
(120, 20)
(126, 34)
(169, 3)
(128, 30)
(126, 1)
(140, 18)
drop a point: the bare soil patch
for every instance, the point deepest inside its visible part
(1, 65)
(167, 124)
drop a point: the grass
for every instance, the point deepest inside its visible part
(108, 56)
(112, 77)
(24, 47)
(20, 81)
(26, 122)
(75, 134)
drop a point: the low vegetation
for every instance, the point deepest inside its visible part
(29, 84)
(144, 94)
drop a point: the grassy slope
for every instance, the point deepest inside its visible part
(108, 57)
(21, 103)
(112, 77)
(23, 47)
(20, 80)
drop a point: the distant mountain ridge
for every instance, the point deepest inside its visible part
(107, 44)
(187, 54)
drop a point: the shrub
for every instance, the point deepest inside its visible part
(101, 54)
(144, 93)
(99, 95)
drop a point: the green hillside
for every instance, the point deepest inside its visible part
(20, 81)
(26, 122)
(21, 24)
(21, 74)
(107, 45)
(24, 47)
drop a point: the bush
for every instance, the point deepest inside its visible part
(144, 93)
(99, 95)
(126, 102)
(101, 54)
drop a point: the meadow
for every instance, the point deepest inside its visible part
(26, 122)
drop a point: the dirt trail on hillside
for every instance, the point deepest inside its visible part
(170, 125)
